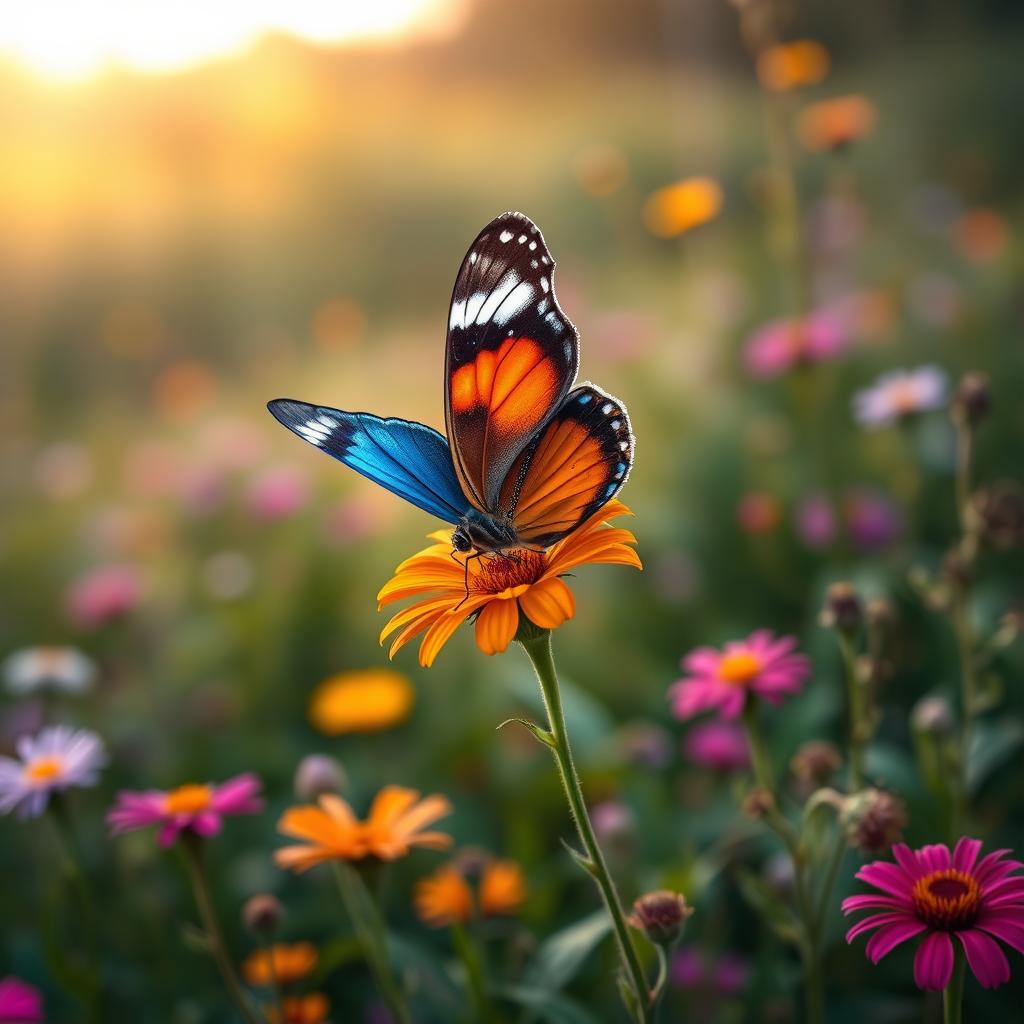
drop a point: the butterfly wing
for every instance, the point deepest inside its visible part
(574, 465)
(409, 459)
(511, 354)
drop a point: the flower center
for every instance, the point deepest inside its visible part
(947, 900)
(44, 769)
(904, 397)
(739, 667)
(497, 573)
(189, 799)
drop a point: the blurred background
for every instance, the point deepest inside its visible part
(206, 207)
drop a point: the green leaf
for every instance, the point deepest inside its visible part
(770, 905)
(560, 956)
(992, 744)
(553, 1008)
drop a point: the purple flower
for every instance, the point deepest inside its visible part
(20, 1003)
(816, 521)
(899, 394)
(719, 745)
(763, 664)
(932, 893)
(782, 344)
(872, 520)
(198, 808)
(57, 758)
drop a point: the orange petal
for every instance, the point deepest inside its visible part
(427, 607)
(496, 626)
(441, 631)
(390, 803)
(548, 603)
(299, 858)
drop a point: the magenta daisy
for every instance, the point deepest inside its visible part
(763, 664)
(198, 808)
(938, 894)
(719, 745)
(55, 759)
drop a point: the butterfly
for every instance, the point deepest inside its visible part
(528, 457)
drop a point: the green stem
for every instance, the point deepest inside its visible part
(193, 850)
(268, 951)
(483, 1011)
(854, 711)
(538, 648)
(369, 929)
(953, 996)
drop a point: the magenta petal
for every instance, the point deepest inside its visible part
(935, 857)
(168, 834)
(870, 900)
(874, 921)
(206, 823)
(966, 853)
(985, 958)
(889, 878)
(933, 963)
(1007, 925)
(888, 937)
(906, 860)
(992, 867)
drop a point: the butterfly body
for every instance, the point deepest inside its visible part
(527, 457)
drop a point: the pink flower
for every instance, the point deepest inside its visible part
(719, 745)
(940, 895)
(763, 664)
(782, 344)
(277, 493)
(102, 595)
(816, 521)
(899, 394)
(19, 1003)
(199, 808)
(872, 520)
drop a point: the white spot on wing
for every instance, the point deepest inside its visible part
(533, 245)
(458, 314)
(497, 297)
(473, 304)
(521, 239)
(607, 408)
(544, 284)
(517, 299)
(505, 236)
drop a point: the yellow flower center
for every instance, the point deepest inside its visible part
(45, 769)
(498, 573)
(739, 667)
(189, 799)
(947, 900)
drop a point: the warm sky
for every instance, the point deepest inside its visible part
(70, 39)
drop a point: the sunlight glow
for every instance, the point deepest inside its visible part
(70, 40)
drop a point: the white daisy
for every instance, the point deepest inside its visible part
(63, 669)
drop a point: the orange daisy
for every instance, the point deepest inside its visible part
(787, 66)
(331, 830)
(836, 123)
(311, 1009)
(446, 896)
(500, 588)
(286, 964)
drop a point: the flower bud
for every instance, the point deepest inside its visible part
(661, 916)
(758, 802)
(998, 514)
(880, 613)
(933, 715)
(815, 762)
(873, 820)
(318, 774)
(972, 400)
(262, 913)
(842, 611)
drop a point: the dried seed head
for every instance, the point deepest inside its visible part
(262, 913)
(815, 762)
(972, 400)
(661, 916)
(873, 820)
(842, 610)
(317, 774)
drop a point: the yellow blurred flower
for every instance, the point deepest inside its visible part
(281, 963)
(790, 65)
(500, 588)
(446, 895)
(833, 124)
(311, 1009)
(331, 830)
(364, 701)
(686, 204)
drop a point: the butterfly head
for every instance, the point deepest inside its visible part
(461, 540)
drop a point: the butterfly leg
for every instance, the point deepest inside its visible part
(478, 555)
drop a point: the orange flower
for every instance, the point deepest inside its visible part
(365, 701)
(686, 204)
(832, 124)
(332, 831)
(311, 1009)
(286, 964)
(790, 65)
(445, 896)
(499, 587)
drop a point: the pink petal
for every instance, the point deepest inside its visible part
(888, 937)
(1004, 924)
(870, 900)
(876, 921)
(906, 860)
(702, 661)
(935, 857)
(966, 853)
(238, 795)
(168, 834)
(206, 823)
(992, 867)
(933, 963)
(985, 958)
(889, 878)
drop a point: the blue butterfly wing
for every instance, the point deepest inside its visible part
(409, 459)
